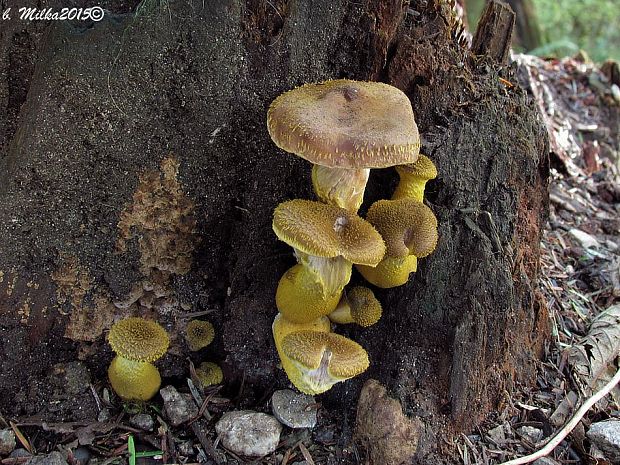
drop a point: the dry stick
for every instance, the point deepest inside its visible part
(565, 431)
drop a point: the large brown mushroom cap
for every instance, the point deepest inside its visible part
(327, 231)
(407, 226)
(346, 124)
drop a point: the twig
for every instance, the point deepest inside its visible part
(565, 431)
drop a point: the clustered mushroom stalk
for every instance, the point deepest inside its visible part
(344, 128)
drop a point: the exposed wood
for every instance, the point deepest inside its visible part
(494, 32)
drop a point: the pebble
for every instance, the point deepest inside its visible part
(532, 434)
(606, 436)
(7, 441)
(497, 434)
(82, 455)
(142, 421)
(586, 240)
(293, 409)
(103, 415)
(53, 458)
(545, 461)
(20, 452)
(180, 408)
(249, 433)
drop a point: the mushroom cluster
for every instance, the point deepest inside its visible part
(344, 128)
(198, 335)
(137, 343)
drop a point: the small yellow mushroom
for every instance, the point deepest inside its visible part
(138, 339)
(391, 272)
(301, 297)
(413, 179)
(199, 334)
(409, 229)
(137, 342)
(357, 305)
(318, 360)
(209, 373)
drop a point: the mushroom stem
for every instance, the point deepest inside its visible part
(301, 296)
(343, 187)
(332, 273)
(342, 313)
(409, 187)
(413, 178)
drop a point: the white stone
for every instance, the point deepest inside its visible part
(249, 433)
(7, 441)
(180, 408)
(293, 409)
(586, 240)
(606, 436)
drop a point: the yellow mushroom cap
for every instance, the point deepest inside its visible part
(325, 357)
(407, 226)
(423, 168)
(391, 272)
(365, 308)
(199, 334)
(329, 231)
(133, 380)
(138, 339)
(209, 373)
(346, 124)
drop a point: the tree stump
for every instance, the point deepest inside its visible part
(140, 179)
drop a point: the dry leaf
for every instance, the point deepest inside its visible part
(593, 360)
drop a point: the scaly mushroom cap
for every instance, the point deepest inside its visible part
(133, 380)
(413, 178)
(199, 334)
(358, 305)
(209, 374)
(327, 231)
(301, 295)
(346, 124)
(320, 360)
(282, 327)
(391, 272)
(423, 168)
(138, 339)
(407, 226)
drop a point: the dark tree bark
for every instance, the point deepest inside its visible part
(94, 225)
